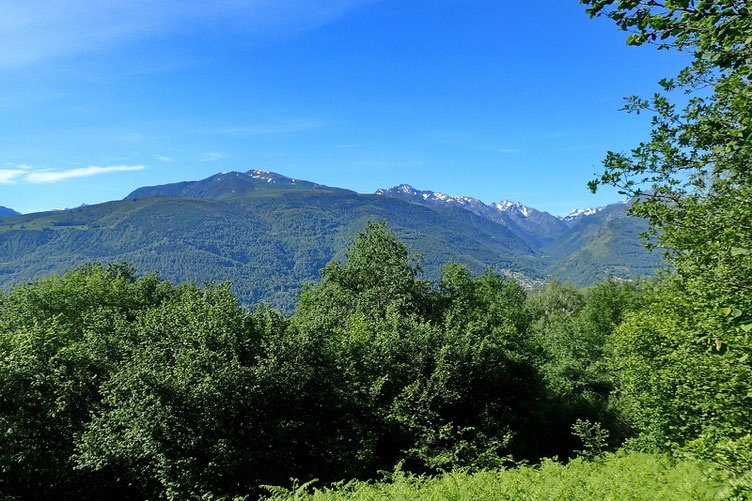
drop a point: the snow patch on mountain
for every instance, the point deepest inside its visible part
(509, 205)
(263, 174)
(69, 208)
(430, 196)
(578, 213)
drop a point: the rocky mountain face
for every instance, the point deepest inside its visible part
(537, 228)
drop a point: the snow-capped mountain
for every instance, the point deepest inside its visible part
(533, 226)
(521, 210)
(409, 193)
(577, 214)
(69, 208)
(227, 185)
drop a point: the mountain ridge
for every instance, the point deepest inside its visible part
(226, 185)
(535, 227)
(7, 211)
(268, 234)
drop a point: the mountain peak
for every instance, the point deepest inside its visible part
(578, 213)
(227, 185)
(7, 211)
(510, 205)
(404, 189)
(411, 194)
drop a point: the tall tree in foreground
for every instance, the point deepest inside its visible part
(684, 362)
(435, 377)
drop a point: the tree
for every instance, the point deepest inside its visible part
(379, 274)
(684, 362)
(440, 377)
(59, 339)
(693, 178)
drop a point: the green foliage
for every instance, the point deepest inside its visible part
(681, 368)
(712, 30)
(59, 339)
(594, 437)
(614, 477)
(683, 362)
(380, 275)
(571, 329)
(445, 372)
(732, 459)
(181, 412)
(115, 384)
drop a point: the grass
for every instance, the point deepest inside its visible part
(618, 476)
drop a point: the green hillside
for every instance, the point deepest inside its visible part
(600, 245)
(267, 243)
(268, 234)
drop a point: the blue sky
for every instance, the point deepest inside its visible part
(492, 99)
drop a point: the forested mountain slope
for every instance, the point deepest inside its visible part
(269, 234)
(604, 243)
(267, 242)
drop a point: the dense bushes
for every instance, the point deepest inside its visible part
(124, 387)
(113, 385)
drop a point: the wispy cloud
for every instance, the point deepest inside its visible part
(211, 156)
(8, 176)
(34, 31)
(18, 166)
(30, 175)
(163, 158)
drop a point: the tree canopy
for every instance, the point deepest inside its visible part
(683, 362)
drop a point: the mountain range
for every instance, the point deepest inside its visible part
(268, 234)
(536, 228)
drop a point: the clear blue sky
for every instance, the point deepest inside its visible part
(492, 99)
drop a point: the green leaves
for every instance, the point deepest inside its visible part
(682, 364)
(733, 312)
(637, 39)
